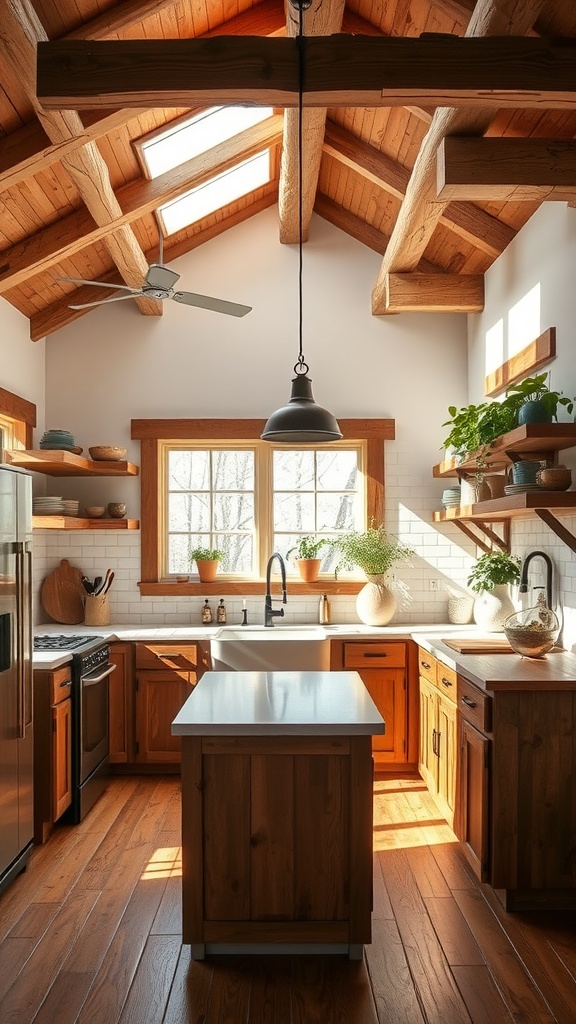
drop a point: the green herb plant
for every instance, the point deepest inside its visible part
(374, 551)
(492, 569)
(308, 547)
(206, 555)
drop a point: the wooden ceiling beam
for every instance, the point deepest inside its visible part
(466, 220)
(28, 150)
(321, 19)
(506, 169)
(488, 70)
(421, 209)
(20, 33)
(59, 241)
(435, 293)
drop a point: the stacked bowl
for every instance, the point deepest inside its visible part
(58, 439)
(451, 497)
(524, 477)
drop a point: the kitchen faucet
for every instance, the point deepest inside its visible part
(523, 588)
(269, 612)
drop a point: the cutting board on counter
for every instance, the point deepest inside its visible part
(480, 646)
(63, 594)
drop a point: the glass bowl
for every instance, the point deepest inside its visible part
(532, 632)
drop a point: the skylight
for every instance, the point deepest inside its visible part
(217, 192)
(164, 150)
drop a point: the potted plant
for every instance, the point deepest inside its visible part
(207, 562)
(307, 559)
(374, 551)
(475, 427)
(532, 401)
(489, 578)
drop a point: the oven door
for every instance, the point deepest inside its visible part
(94, 719)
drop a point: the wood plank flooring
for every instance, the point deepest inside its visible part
(90, 933)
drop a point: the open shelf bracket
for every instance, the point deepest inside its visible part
(546, 516)
(492, 538)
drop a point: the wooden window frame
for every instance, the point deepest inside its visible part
(373, 432)
(23, 415)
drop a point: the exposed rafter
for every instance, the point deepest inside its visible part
(528, 170)
(435, 293)
(421, 210)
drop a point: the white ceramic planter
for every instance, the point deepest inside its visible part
(492, 608)
(375, 604)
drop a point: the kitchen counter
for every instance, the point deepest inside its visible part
(278, 704)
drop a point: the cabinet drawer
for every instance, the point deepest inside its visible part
(60, 684)
(427, 665)
(183, 657)
(446, 681)
(475, 705)
(374, 655)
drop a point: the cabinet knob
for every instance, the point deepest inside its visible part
(425, 664)
(469, 702)
(446, 682)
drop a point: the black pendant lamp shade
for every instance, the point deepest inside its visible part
(301, 421)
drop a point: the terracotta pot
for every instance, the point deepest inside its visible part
(207, 569)
(309, 569)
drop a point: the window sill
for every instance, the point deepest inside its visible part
(222, 587)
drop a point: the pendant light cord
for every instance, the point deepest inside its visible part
(301, 366)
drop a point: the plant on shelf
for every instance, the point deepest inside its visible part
(532, 401)
(207, 562)
(493, 569)
(307, 559)
(474, 428)
(373, 550)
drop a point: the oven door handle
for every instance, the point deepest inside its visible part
(93, 680)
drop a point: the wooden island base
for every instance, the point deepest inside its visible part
(277, 843)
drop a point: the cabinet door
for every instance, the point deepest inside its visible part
(473, 781)
(427, 758)
(120, 706)
(387, 687)
(446, 747)
(159, 697)
(61, 757)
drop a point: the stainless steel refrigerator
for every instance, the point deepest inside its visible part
(16, 739)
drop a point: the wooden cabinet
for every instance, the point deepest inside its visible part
(384, 669)
(121, 704)
(438, 733)
(52, 748)
(472, 821)
(165, 677)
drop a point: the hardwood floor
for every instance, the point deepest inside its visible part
(90, 933)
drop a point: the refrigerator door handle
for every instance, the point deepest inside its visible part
(27, 670)
(20, 577)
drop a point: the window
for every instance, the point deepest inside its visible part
(214, 483)
(17, 419)
(217, 192)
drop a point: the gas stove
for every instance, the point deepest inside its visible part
(61, 642)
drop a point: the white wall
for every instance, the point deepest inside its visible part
(115, 365)
(540, 264)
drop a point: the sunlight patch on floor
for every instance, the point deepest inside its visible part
(165, 862)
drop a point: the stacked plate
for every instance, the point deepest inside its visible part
(48, 506)
(520, 488)
(58, 439)
(451, 497)
(70, 506)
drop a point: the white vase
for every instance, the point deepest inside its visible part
(492, 608)
(375, 604)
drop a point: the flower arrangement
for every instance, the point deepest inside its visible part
(374, 550)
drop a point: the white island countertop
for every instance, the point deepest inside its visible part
(279, 704)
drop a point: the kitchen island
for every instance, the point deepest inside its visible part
(277, 812)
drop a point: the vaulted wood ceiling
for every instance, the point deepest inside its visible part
(439, 191)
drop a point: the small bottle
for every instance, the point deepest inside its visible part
(206, 613)
(244, 614)
(221, 611)
(324, 610)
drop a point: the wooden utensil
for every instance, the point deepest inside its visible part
(63, 593)
(108, 582)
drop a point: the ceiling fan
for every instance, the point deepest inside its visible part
(159, 284)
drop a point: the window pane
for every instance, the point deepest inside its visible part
(336, 470)
(294, 512)
(188, 471)
(233, 471)
(179, 548)
(233, 511)
(238, 552)
(293, 470)
(187, 512)
(335, 512)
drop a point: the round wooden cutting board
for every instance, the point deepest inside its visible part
(63, 594)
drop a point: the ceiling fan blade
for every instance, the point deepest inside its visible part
(102, 302)
(207, 302)
(160, 277)
(100, 284)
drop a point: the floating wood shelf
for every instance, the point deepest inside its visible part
(77, 523)
(513, 506)
(530, 439)
(62, 463)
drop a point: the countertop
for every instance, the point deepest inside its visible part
(557, 671)
(279, 704)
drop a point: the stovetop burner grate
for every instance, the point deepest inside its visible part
(59, 642)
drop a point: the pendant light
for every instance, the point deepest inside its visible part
(301, 421)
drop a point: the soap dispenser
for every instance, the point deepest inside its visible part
(324, 610)
(221, 611)
(206, 613)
